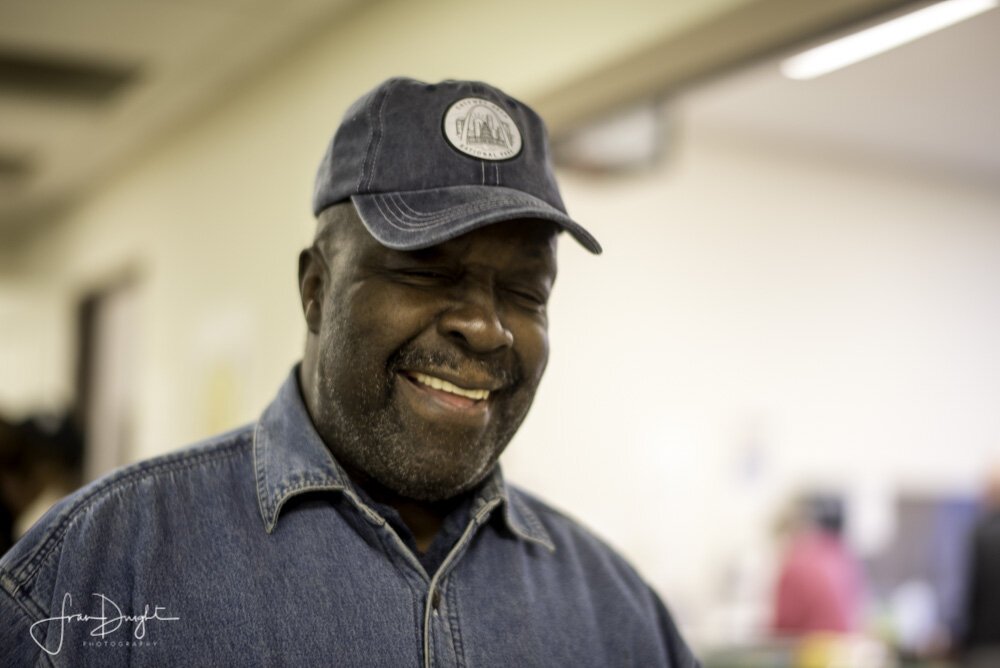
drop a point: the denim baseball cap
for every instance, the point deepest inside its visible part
(423, 163)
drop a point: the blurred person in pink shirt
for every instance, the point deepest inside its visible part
(820, 586)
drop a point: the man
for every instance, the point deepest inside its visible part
(364, 520)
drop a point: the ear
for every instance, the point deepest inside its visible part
(312, 283)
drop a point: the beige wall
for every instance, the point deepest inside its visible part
(213, 216)
(761, 321)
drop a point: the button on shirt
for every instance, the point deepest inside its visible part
(254, 548)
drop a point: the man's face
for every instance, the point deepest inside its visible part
(427, 361)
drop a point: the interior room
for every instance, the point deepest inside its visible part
(796, 307)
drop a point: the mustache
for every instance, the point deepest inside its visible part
(506, 373)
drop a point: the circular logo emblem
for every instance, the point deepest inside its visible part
(479, 128)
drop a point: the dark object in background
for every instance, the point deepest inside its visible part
(35, 455)
(826, 513)
(982, 611)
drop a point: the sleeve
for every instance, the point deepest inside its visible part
(15, 637)
(25, 593)
(678, 653)
(788, 613)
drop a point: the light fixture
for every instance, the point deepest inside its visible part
(629, 140)
(882, 37)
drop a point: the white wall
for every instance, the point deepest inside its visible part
(762, 321)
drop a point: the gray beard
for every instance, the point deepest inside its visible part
(378, 445)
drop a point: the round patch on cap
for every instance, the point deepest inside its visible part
(479, 128)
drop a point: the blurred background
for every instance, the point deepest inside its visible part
(778, 390)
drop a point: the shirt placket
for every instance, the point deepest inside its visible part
(440, 629)
(442, 635)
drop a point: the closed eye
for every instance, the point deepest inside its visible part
(424, 276)
(529, 298)
(426, 273)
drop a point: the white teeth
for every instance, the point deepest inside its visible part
(445, 386)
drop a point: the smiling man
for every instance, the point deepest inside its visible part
(363, 520)
(420, 365)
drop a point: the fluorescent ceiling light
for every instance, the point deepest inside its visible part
(877, 39)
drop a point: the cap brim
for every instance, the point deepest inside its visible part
(422, 218)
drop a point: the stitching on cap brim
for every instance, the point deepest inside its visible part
(392, 219)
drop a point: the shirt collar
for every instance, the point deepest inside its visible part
(290, 458)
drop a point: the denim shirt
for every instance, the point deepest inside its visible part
(255, 549)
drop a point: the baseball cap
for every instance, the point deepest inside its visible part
(423, 163)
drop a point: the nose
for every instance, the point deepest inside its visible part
(474, 322)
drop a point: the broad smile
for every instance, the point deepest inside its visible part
(447, 386)
(438, 398)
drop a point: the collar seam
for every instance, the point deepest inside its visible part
(533, 531)
(270, 501)
(261, 479)
(285, 494)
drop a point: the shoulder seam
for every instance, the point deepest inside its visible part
(26, 570)
(18, 604)
(18, 601)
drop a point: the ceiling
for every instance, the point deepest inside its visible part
(933, 104)
(84, 84)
